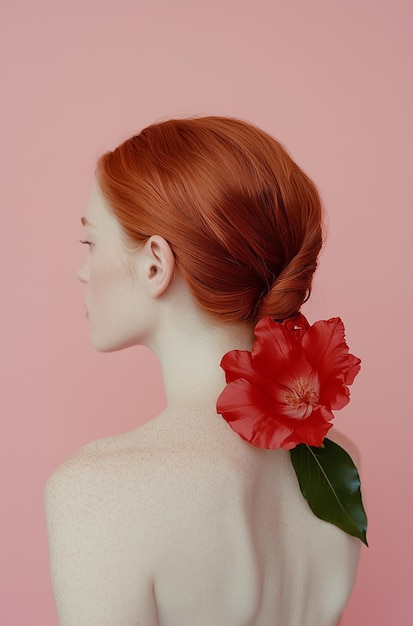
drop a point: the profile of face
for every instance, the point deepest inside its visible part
(124, 284)
(113, 301)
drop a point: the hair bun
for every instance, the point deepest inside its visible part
(285, 298)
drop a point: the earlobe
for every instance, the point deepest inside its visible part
(161, 265)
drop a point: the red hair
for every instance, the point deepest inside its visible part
(242, 219)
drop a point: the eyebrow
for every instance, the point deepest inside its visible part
(85, 222)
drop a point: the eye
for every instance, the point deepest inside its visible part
(87, 243)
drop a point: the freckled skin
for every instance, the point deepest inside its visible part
(180, 522)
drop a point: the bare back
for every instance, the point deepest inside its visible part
(219, 529)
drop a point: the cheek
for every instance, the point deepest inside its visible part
(114, 304)
(110, 283)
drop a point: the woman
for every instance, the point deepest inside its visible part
(197, 229)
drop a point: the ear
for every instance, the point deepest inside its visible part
(159, 265)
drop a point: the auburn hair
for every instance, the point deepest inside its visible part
(242, 219)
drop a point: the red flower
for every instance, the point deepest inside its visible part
(282, 393)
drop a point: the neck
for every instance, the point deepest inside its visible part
(190, 352)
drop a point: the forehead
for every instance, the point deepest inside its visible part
(97, 213)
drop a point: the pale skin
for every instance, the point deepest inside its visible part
(180, 522)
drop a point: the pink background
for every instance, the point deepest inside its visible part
(333, 81)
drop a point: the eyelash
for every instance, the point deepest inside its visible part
(88, 243)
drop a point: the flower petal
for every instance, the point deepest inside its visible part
(252, 415)
(298, 324)
(310, 431)
(327, 352)
(237, 364)
(270, 342)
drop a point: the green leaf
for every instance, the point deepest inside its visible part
(330, 483)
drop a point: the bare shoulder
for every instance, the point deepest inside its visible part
(104, 472)
(87, 495)
(100, 510)
(137, 472)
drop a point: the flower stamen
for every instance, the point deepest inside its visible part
(302, 397)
